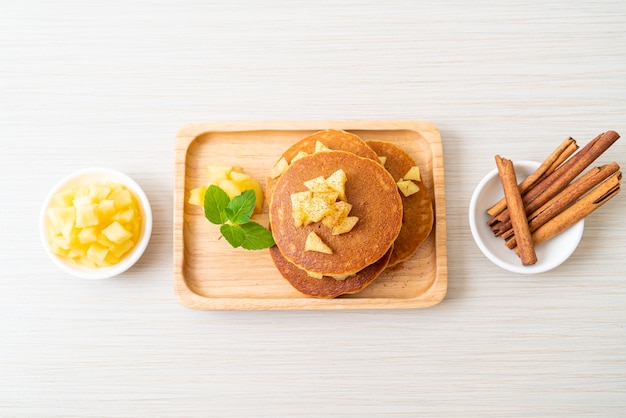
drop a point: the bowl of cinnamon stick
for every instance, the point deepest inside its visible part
(528, 217)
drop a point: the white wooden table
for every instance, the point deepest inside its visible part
(85, 83)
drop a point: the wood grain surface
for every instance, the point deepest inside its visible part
(86, 83)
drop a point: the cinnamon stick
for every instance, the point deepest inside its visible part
(555, 182)
(516, 208)
(592, 201)
(556, 158)
(571, 149)
(561, 201)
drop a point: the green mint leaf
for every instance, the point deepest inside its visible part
(239, 210)
(234, 234)
(215, 201)
(256, 237)
(234, 218)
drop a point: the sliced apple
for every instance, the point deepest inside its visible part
(345, 225)
(337, 182)
(407, 187)
(299, 156)
(314, 243)
(413, 174)
(318, 184)
(279, 168)
(320, 147)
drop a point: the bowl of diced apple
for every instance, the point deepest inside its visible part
(96, 223)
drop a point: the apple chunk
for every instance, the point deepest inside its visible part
(233, 181)
(345, 225)
(407, 187)
(413, 174)
(337, 182)
(325, 201)
(314, 243)
(95, 224)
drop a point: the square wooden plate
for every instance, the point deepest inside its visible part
(209, 274)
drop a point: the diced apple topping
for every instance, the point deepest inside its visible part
(345, 225)
(382, 159)
(318, 184)
(282, 165)
(320, 147)
(279, 168)
(413, 174)
(95, 224)
(325, 201)
(406, 184)
(407, 187)
(341, 210)
(233, 181)
(316, 208)
(337, 182)
(300, 155)
(314, 243)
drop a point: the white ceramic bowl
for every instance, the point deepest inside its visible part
(86, 176)
(549, 254)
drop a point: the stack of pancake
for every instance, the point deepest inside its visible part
(390, 226)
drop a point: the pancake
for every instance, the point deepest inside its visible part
(375, 200)
(417, 221)
(327, 287)
(334, 139)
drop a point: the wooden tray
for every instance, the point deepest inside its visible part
(210, 274)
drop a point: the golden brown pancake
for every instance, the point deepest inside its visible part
(327, 287)
(417, 221)
(334, 139)
(375, 200)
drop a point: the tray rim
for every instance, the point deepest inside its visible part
(188, 298)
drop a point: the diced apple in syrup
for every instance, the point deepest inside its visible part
(64, 197)
(98, 191)
(105, 209)
(121, 197)
(97, 253)
(76, 223)
(86, 215)
(87, 235)
(117, 233)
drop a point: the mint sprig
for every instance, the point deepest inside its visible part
(234, 217)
